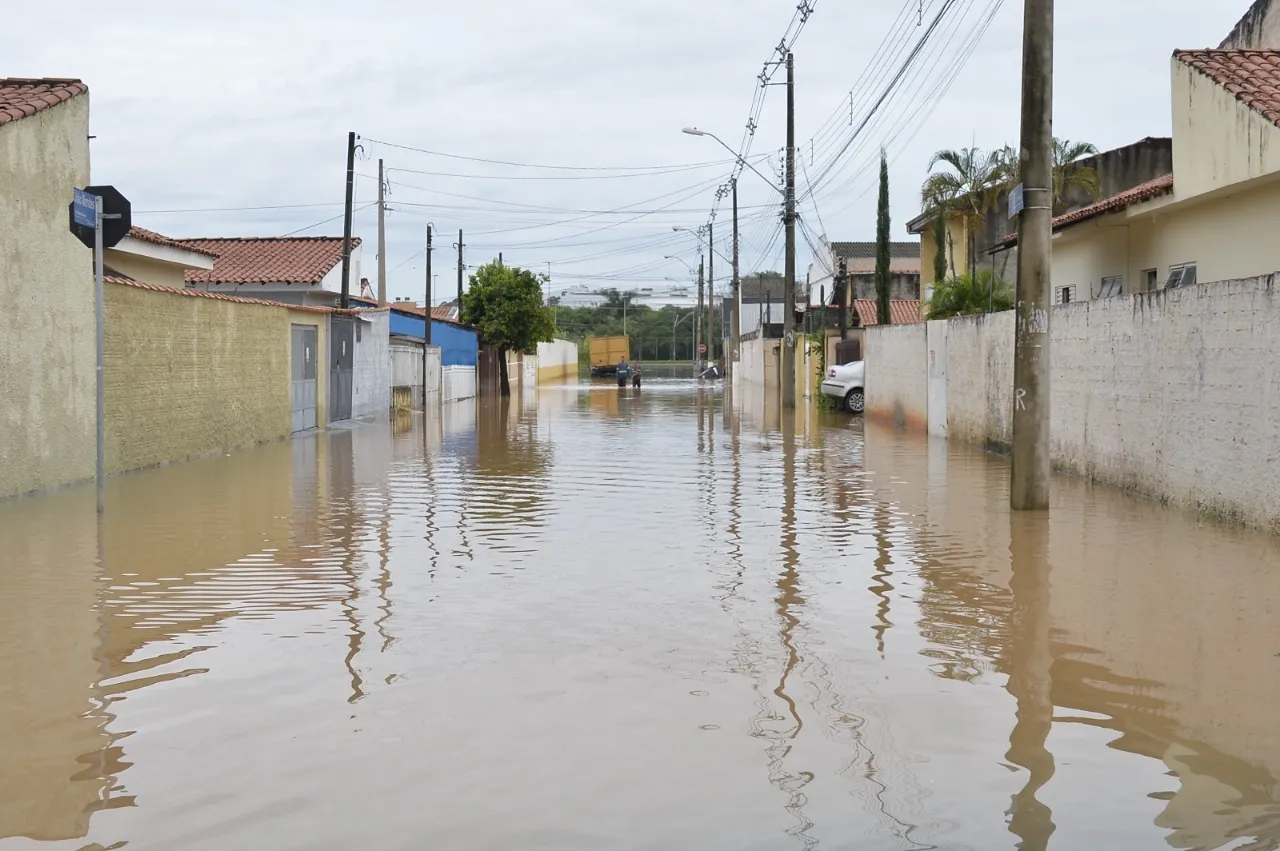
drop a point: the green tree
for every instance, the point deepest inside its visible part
(505, 304)
(965, 295)
(883, 259)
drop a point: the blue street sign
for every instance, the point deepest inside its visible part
(84, 208)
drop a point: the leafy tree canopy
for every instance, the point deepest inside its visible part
(505, 304)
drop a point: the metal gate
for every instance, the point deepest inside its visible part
(302, 368)
(341, 376)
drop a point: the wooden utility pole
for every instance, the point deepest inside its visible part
(789, 220)
(459, 245)
(735, 333)
(1029, 489)
(346, 221)
(697, 324)
(382, 237)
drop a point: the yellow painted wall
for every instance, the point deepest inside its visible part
(1227, 236)
(47, 408)
(189, 376)
(145, 269)
(1217, 140)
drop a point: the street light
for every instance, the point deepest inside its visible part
(694, 131)
(687, 264)
(675, 323)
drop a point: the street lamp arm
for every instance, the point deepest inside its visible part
(694, 131)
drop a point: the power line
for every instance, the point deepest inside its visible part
(239, 209)
(677, 166)
(326, 221)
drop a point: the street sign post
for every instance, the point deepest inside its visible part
(99, 217)
(1016, 200)
(702, 348)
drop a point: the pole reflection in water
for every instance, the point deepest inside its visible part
(1030, 683)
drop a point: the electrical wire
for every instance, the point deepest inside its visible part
(677, 166)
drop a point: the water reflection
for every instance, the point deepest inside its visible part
(703, 620)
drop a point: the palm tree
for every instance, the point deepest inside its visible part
(969, 294)
(969, 188)
(1068, 172)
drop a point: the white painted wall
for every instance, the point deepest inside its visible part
(47, 408)
(406, 369)
(332, 282)
(371, 390)
(1174, 395)
(896, 359)
(557, 361)
(458, 383)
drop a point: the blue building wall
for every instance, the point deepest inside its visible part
(459, 346)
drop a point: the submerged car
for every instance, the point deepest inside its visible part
(844, 384)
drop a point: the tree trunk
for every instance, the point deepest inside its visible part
(505, 382)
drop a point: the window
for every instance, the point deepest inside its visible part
(1111, 287)
(1150, 279)
(1181, 276)
(1064, 295)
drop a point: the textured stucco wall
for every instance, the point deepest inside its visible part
(47, 409)
(371, 394)
(1259, 29)
(1174, 394)
(189, 376)
(897, 375)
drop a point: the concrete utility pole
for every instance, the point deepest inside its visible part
(1030, 475)
(697, 324)
(346, 223)
(842, 294)
(789, 220)
(382, 237)
(711, 291)
(459, 245)
(426, 322)
(735, 333)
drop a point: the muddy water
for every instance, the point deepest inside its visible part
(592, 620)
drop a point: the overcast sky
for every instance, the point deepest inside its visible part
(232, 104)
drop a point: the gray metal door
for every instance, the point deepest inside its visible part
(342, 375)
(303, 374)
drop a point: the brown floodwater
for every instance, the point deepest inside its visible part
(588, 619)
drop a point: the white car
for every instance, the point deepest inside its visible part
(844, 384)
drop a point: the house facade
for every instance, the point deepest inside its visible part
(303, 270)
(147, 256)
(47, 395)
(1212, 218)
(860, 265)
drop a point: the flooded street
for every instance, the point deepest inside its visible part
(599, 619)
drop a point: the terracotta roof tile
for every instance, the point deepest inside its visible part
(901, 312)
(1114, 204)
(194, 293)
(158, 239)
(1253, 76)
(866, 250)
(20, 97)
(261, 260)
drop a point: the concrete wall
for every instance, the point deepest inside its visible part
(47, 408)
(371, 393)
(1259, 29)
(557, 362)
(1218, 141)
(406, 369)
(896, 360)
(188, 376)
(1174, 395)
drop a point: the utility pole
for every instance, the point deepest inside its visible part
(459, 245)
(1029, 488)
(711, 291)
(382, 238)
(736, 331)
(426, 315)
(842, 293)
(346, 223)
(789, 220)
(697, 324)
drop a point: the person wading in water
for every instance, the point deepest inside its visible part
(624, 372)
